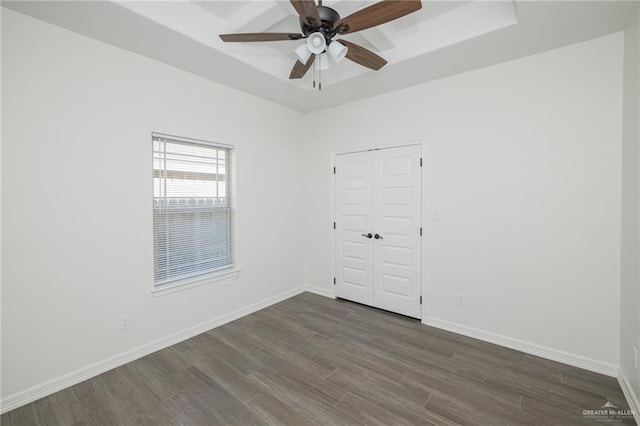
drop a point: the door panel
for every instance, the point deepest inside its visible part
(354, 217)
(393, 284)
(397, 218)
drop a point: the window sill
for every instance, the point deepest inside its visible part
(228, 276)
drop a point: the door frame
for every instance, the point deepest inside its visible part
(425, 229)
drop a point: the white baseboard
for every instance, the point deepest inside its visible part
(319, 290)
(36, 392)
(527, 347)
(632, 398)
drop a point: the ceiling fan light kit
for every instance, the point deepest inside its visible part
(320, 24)
(303, 53)
(316, 43)
(338, 51)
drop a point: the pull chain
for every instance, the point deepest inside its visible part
(314, 75)
(319, 72)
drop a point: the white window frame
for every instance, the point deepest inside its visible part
(228, 274)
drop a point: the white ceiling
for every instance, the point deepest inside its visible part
(443, 38)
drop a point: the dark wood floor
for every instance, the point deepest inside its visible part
(315, 361)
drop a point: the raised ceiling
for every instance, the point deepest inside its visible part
(441, 39)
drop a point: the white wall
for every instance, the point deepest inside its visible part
(630, 249)
(522, 163)
(77, 193)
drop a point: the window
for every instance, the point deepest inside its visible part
(192, 217)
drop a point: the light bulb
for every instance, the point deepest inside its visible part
(316, 42)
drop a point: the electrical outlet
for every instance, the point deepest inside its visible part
(269, 278)
(125, 322)
(635, 351)
(461, 300)
(436, 216)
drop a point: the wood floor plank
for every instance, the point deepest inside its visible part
(553, 414)
(516, 367)
(346, 336)
(210, 346)
(303, 382)
(366, 358)
(386, 398)
(59, 408)
(236, 338)
(97, 407)
(464, 414)
(311, 360)
(436, 361)
(554, 393)
(277, 412)
(292, 356)
(461, 388)
(284, 322)
(367, 413)
(317, 406)
(25, 415)
(392, 383)
(264, 330)
(280, 362)
(209, 396)
(129, 399)
(152, 379)
(596, 384)
(232, 380)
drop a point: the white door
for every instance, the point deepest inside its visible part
(378, 193)
(397, 216)
(354, 217)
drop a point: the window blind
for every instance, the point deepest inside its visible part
(192, 217)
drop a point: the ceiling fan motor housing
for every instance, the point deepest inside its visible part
(328, 17)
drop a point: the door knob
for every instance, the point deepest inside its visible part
(369, 235)
(378, 237)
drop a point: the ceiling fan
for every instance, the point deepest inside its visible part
(320, 24)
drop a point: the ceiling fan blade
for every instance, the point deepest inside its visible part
(308, 11)
(247, 37)
(300, 69)
(362, 56)
(376, 14)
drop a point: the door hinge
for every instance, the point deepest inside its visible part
(421, 300)
(334, 280)
(334, 225)
(421, 231)
(334, 170)
(421, 162)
